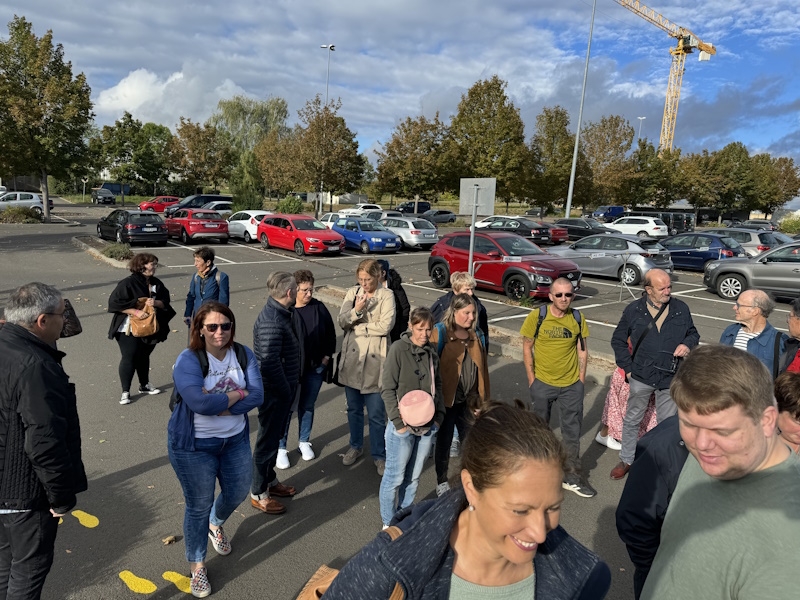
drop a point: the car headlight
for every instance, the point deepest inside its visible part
(375, 239)
(540, 279)
(313, 240)
(712, 266)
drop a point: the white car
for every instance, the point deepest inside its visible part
(359, 209)
(485, 222)
(222, 207)
(244, 224)
(641, 226)
(3, 189)
(330, 219)
(22, 199)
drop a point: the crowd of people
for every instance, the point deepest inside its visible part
(709, 432)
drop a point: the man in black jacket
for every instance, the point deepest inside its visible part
(661, 332)
(279, 353)
(390, 279)
(790, 360)
(40, 440)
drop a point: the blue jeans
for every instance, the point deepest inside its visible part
(377, 421)
(309, 390)
(405, 457)
(226, 459)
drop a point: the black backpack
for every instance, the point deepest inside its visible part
(576, 314)
(202, 357)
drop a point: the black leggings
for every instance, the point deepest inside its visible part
(455, 416)
(135, 357)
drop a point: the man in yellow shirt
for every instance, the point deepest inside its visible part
(555, 357)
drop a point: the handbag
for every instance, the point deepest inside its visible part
(72, 325)
(417, 407)
(324, 576)
(146, 325)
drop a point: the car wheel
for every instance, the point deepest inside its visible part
(440, 275)
(298, 248)
(264, 241)
(150, 209)
(247, 238)
(629, 275)
(517, 287)
(99, 232)
(364, 248)
(184, 237)
(223, 240)
(642, 234)
(730, 286)
(119, 237)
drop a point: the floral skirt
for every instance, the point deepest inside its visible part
(617, 403)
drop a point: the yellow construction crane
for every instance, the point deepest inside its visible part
(687, 43)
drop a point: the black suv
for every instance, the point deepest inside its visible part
(195, 201)
(580, 228)
(408, 207)
(103, 196)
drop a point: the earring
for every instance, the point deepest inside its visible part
(471, 508)
(202, 336)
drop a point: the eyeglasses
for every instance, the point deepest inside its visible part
(212, 327)
(561, 294)
(307, 291)
(737, 305)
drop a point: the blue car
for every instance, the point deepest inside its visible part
(367, 235)
(695, 250)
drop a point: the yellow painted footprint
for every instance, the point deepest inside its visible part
(181, 582)
(86, 519)
(137, 584)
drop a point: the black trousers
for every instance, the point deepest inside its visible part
(135, 358)
(26, 553)
(455, 416)
(272, 415)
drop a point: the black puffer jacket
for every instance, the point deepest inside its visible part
(275, 344)
(40, 435)
(401, 304)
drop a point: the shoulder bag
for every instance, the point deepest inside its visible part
(146, 325)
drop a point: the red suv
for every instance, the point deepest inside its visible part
(299, 233)
(159, 203)
(196, 223)
(503, 262)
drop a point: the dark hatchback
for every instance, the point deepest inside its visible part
(580, 228)
(527, 228)
(695, 250)
(133, 227)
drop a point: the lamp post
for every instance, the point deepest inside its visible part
(330, 48)
(640, 126)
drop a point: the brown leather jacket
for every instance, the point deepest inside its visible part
(450, 364)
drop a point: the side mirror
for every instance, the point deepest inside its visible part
(493, 254)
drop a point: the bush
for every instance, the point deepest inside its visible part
(291, 205)
(19, 214)
(790, 225)
(447, 198)
(118, 251)
(248, 201)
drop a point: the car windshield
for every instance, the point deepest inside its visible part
(517, 246)
(594, 223)
(650, 244)
(308, 224)
(422, 224)
(729, 242)
(372, 226)
(207, 216)
(139, 219)
(601, 209)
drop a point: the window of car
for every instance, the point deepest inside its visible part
(308, 224)
(372, 226)
(351, 226)
(208, 216)
(26, 196)
(461, 242)
(614, 243)
(679, 240)
(144, 219)
(703, 241)
(729, 242)
(659, 222)
(589, 243)
(591, 222)
(782, 237)
(650, 244)
(500, 224)
(625, 221)
(788, 254)
(484, 246)
(768, 238)
(422, 224)
(8, 197)
(518, 246)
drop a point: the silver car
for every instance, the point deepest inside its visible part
(776, 270)
(624, 257)
(754, 242)
(23, 200)
(377, 215)
(415, 232)
(221, 206)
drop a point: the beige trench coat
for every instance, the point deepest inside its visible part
(366, 340)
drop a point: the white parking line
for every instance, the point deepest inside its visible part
(682, 292)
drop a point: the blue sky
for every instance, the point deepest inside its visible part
(162, 60)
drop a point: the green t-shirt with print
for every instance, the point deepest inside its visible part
(555, 350)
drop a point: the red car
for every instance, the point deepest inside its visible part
(196, 223)
(504, 262)
(557, 234)
(159, 203)
(299, 233)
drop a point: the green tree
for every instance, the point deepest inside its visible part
(553, 143)
(203, 153)
(275, 158)
(487, 138)
(607, 144)
(734, 175)
(701, 182)
(248, 120)
(45, 112)
(776, 182)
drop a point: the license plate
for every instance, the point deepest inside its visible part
(430, 235)
(390, 245)
(212, 225)
(149, 229)
(545, 237)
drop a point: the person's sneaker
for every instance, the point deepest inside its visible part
(575, 484)
(351, 456)
(220, 541)
(148, 389)
(126, 398)
(283, 459)
(442, 489)
(455, 448)
(380, 465)
(305, 450)
(200, 586)
(607, 441)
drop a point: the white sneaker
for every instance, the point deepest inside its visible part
(442, 489)
(126, 398)
(608, 441)
(305, 449)
(148, 389)
(283, 459)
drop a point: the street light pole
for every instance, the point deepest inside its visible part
(330, 48)
(640, 126)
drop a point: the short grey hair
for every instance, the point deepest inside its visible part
(795, 307)
(763, 302)
(29, 301)
(279, 284)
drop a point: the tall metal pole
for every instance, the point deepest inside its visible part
(640, 126)
(580, 118)
(472, 231)
(319, 206)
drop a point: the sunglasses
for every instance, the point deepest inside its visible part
(212, 327)
(561, 294)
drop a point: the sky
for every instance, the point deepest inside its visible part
(167, 59)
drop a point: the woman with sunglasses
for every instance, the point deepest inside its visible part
(209, 433)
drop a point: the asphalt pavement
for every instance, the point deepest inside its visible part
(111, 546)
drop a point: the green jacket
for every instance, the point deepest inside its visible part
(404, 361)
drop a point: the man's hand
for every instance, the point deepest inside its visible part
(681, 351)
(403, 430)
(55, 514)
(531, 379)
(188, 321)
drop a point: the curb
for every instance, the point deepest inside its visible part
(97, 254)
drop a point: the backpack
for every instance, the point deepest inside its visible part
(443, 335)
(202, 357)
(194, 279)
(576, 314)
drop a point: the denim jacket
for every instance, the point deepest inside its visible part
(421, 560)
(762, 346)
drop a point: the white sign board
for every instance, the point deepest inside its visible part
(486, 189)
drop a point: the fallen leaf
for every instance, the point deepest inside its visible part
(102, 441)
(69, 551)
(170, 539)
(151, 487)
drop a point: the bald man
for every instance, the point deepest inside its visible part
(661, 332)
(752, 332)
